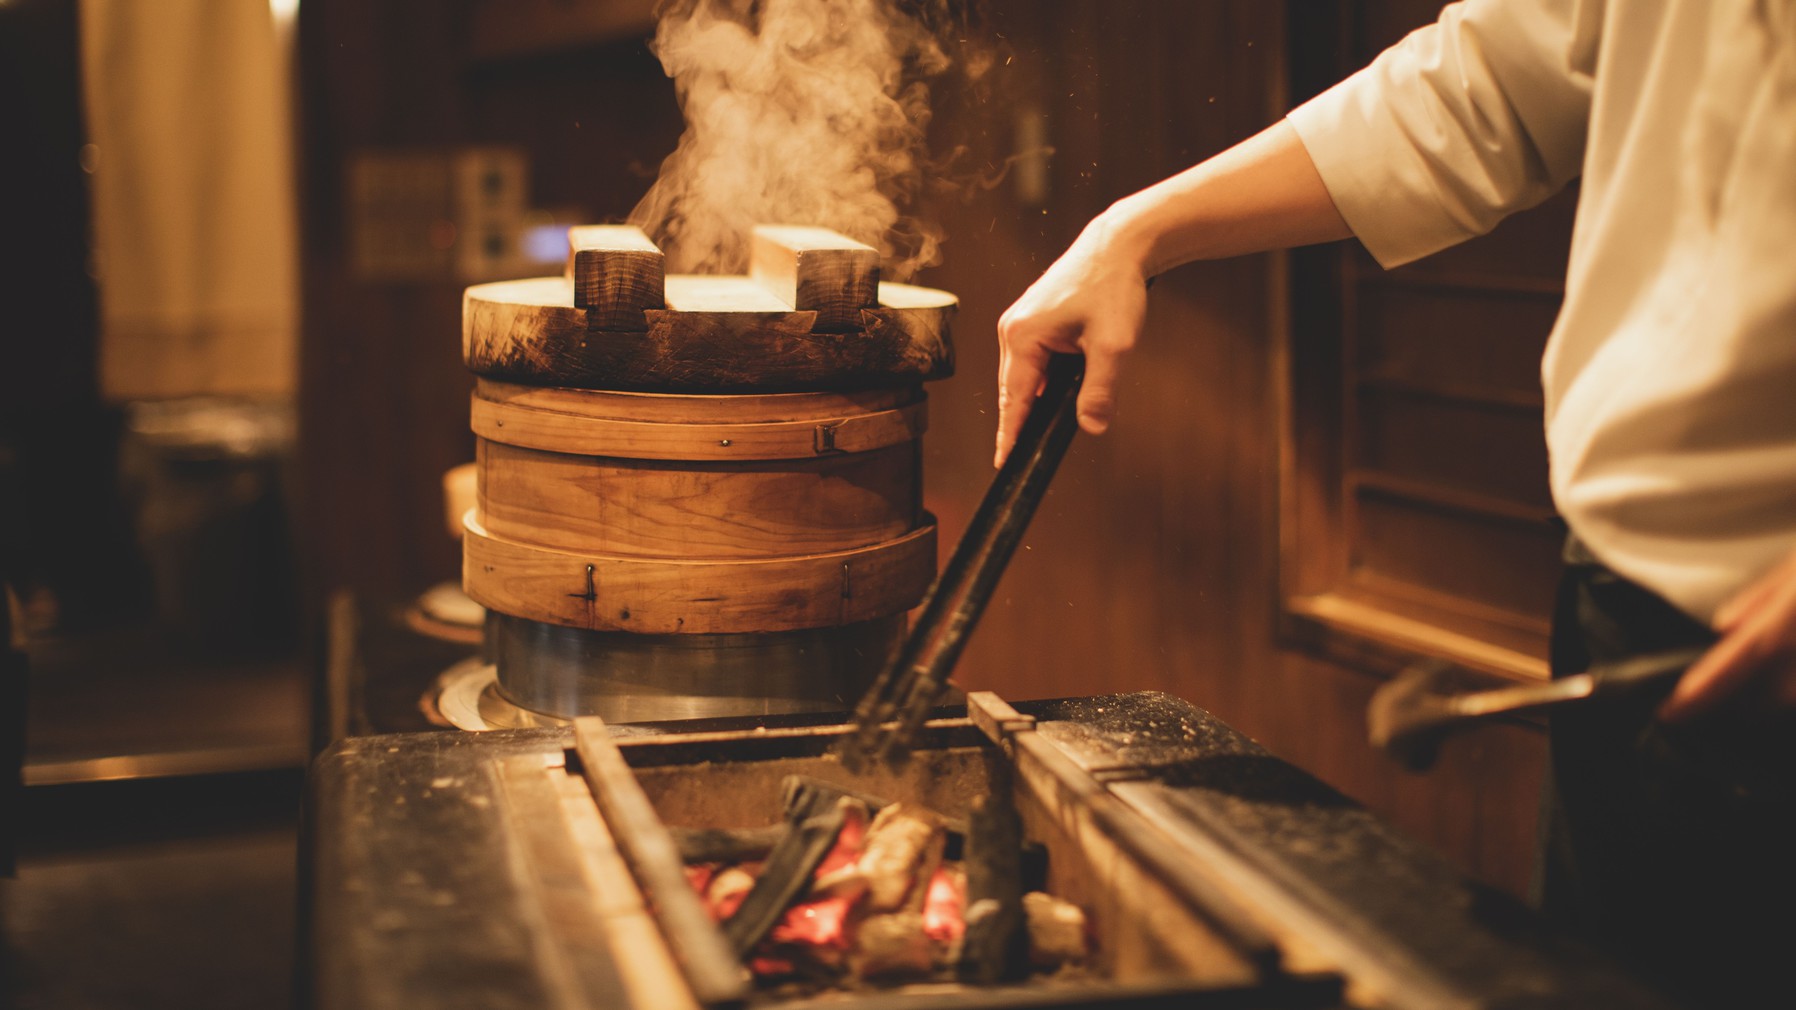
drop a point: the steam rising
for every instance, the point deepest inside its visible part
(797, 112)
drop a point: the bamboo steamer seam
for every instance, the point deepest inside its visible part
(679, 408)
(675, 596)
(585, 435)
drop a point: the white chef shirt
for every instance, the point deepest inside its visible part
(1670, 375)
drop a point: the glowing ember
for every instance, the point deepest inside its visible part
(728, 888)
(867, 913)
(847, 848)
(817, 923)
(699, 876)
(944, 906)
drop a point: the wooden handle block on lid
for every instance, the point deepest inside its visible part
(815, 269)
(617, 273)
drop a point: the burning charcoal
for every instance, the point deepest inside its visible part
(821, 926)
(901, 837)
(846, 882)
(699, 876)
(726, 892)
(888, 945)
(840, 876)
(813, 820)
(850, 840)
(944, 906)
(901, 840)
(1057, 931)
(765, 966)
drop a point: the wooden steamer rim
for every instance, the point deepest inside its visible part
(655, 595)
(692, 427)
(811, 315)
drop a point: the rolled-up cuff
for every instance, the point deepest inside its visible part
(1376, 178)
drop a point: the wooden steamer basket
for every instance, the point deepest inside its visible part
(699, 496)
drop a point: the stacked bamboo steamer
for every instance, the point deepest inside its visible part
(699, 496)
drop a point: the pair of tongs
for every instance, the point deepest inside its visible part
(1409, 717)
(916, 676)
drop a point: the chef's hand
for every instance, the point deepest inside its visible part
(1091, 301)
(1263, 193)
(1756, 657)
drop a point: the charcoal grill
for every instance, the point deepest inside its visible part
(518, 868)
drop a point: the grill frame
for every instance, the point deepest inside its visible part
(1381, 915)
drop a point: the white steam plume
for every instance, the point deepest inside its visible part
(797, 112)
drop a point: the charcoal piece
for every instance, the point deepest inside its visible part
(730, 883)
(1057, 930)
(996, 947)
(813, 819)
(901, 841)
(892, 945)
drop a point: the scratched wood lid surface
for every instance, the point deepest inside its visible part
(812, 314)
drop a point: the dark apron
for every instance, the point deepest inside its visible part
(1674, 849)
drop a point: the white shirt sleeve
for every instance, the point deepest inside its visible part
(1464, 122)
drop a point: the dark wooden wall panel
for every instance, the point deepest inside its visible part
(1458, 445)
(1495, 562)
(1465, 340)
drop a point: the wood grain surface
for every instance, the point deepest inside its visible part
(688, 510)
(696, 408)
(617, 273)
(607, 592)
(815, 269)
(554, 431)
(717, 335)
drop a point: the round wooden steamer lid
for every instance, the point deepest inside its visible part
(811, 314)
(717, 335)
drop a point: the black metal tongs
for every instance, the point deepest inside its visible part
(1411, 715)
(915, 678)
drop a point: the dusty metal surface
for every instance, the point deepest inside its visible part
(1394, 912)
(416, 898)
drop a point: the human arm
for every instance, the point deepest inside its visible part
(1462, 123)
(1261, 194)
(1754, 660)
